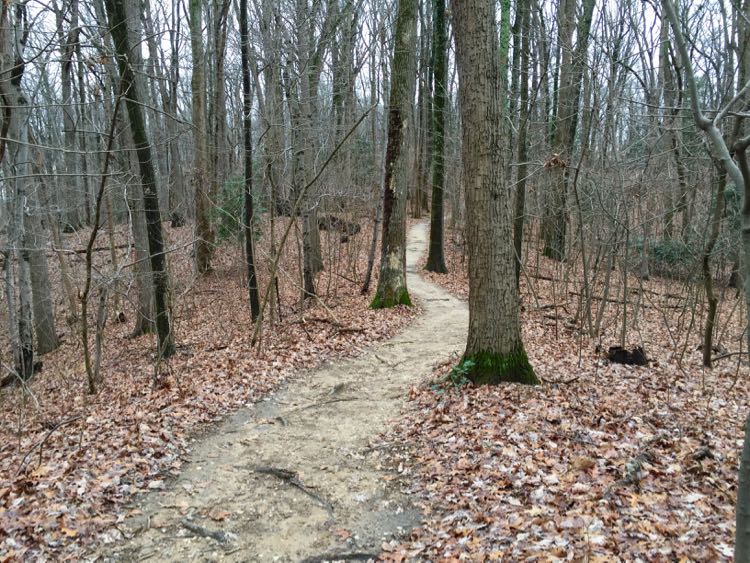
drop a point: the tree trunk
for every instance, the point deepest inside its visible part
(494, 349)
(523, 147)
(554, 229)
(15, 109)
(218, 164)
(742, 542)
(118, 28)
(392, 289)
(43, 303)
(672, 96)
(247, 131)
(204, 237)
(70, 203)
(708, 281)
(435, 257)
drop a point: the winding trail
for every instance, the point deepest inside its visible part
(234, 502)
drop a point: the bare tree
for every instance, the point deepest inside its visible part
(571, 68)
(118, 27)
(435, 258)
(204, 235)
(247, 131)
(14, 154)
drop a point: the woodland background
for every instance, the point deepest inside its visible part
(231, 204)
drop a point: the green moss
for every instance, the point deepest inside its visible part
(391, 299)
(486, 368)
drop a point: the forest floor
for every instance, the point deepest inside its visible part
(297, 477)
(71, 463)
(603, 461)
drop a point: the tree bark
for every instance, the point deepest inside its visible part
(43, 303)
(494, 349)
(118, 28)
(742, 542)
(15, 112)
(523, 146)
(435, 257)
(204, 237)
(247, 130)
(392, 288)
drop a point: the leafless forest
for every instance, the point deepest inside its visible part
(200, 199)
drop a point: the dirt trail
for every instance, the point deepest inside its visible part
(342, 501)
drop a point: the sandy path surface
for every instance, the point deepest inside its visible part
(294, 478)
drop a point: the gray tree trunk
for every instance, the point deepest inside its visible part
(43, 303)
(15, 110)
(204, 236)
(218, 163)
(554, 227)
(70, 203)
(247, 132)
(392, 288)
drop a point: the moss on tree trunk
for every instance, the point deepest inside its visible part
(391, 299)
(487, 368)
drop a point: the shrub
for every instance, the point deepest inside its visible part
(228, 214)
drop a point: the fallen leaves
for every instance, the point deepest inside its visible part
(601, 463)
(132, 436)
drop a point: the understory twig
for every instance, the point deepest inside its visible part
(42, 442)
(727, 355)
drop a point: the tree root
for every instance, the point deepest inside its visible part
(292, 478)
(198, 530)
(354, 556)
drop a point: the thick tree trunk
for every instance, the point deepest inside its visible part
(313, 259)
(494, 349)
(118, 28)
(144, 320)
(392, 289)
(435, 257)
(742, 543)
